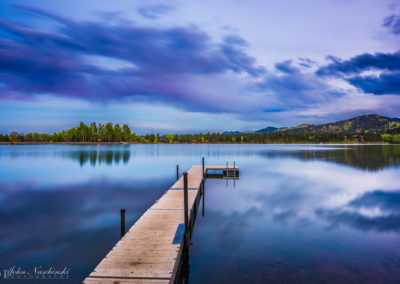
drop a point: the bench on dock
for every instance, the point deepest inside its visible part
(155, 247)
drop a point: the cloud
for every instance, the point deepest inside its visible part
(286, 67)
(392, 23)
(183, 67)
(306, 62)
(360, 63)
(154, 11)
(163, 61)
(295, 89)
(386, 66)
(387, 83)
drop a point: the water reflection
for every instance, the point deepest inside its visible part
(94, 157)
(298, 214)
(370, 157)
(377, 210)
(73, 226)
(324, 223)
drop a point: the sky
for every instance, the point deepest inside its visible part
(196, 66)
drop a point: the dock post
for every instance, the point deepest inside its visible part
(177, 172)
(185, 201)
(122, 222)
(203, 165)
(187, 234)
(202, 210)
(227, 175)
(203, 181)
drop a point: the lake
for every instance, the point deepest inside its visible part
(298, 213)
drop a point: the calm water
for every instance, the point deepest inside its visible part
(298, 214)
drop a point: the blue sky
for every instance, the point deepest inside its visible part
(189, 66)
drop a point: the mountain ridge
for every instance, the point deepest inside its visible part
(364, 123)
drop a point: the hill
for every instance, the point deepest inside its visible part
(269, 129)
(366, 123)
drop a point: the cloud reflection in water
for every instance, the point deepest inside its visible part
(299, 213)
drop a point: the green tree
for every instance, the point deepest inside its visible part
(93, 132)
(117, 133)
(101, 131)
(4, 138)
(143, 140)
(126, 132)
(170, 138)
(134, 137)
(14, 137)
(109, 132)
(84, 131)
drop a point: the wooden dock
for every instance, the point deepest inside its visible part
(156, 247)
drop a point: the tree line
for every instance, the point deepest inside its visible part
(108, 132)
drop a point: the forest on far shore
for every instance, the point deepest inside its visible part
(108, 132)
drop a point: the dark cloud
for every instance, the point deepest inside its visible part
(238, 60)
(158, 60)
(360, 63)
(392, 23)
(388, 83)
(286, 67)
